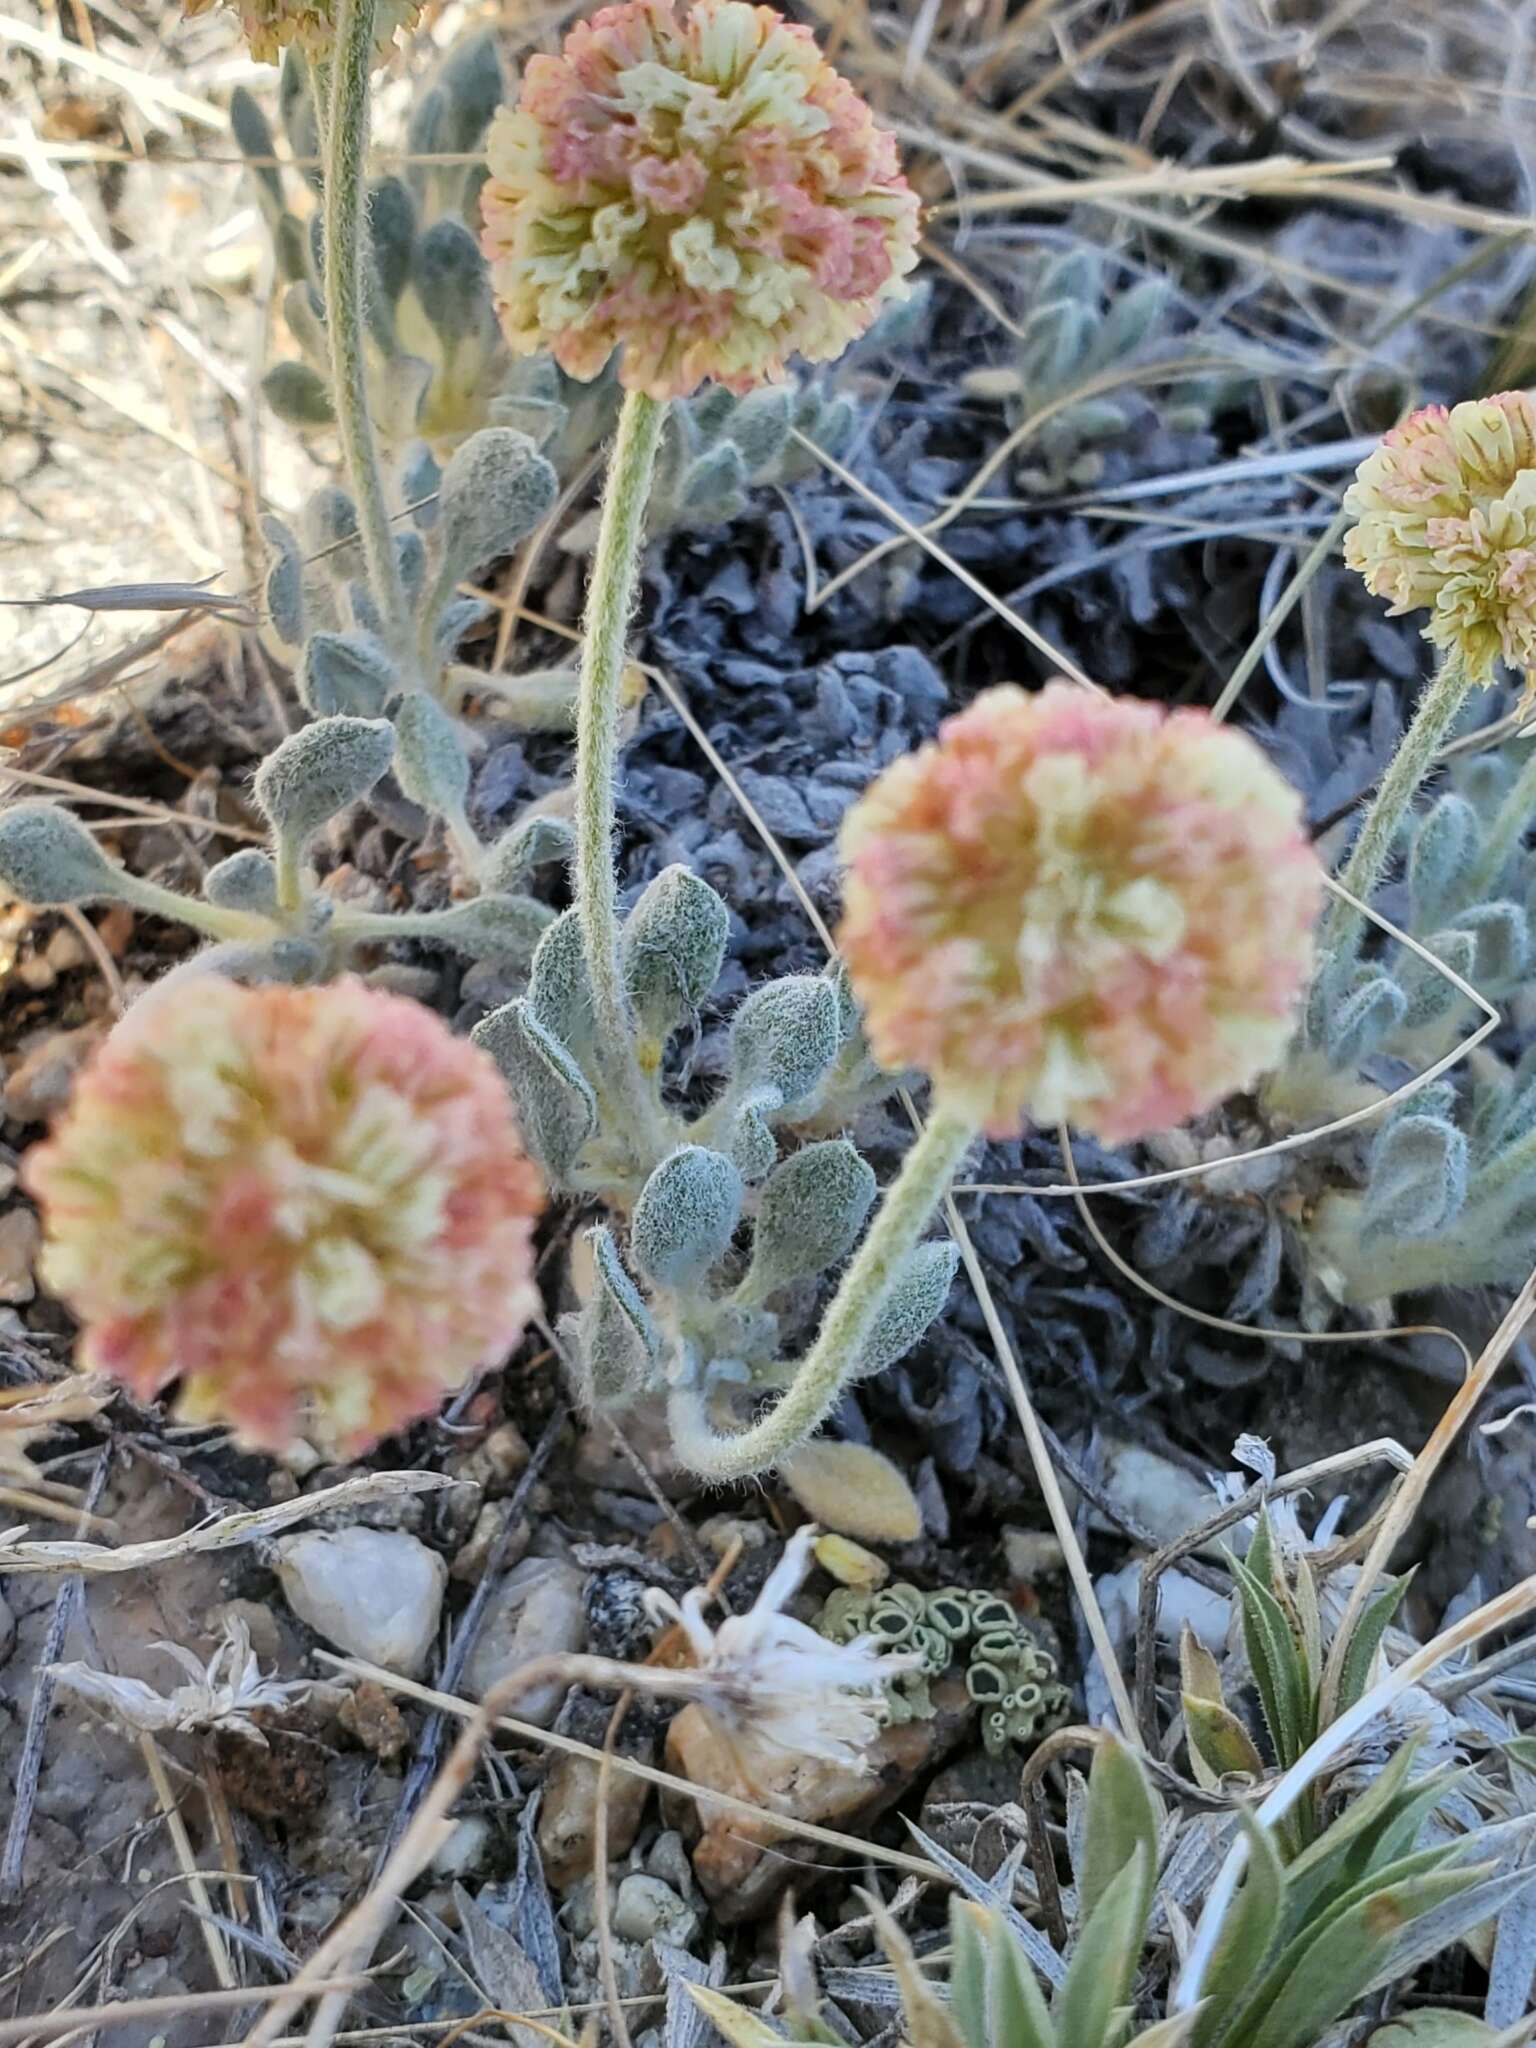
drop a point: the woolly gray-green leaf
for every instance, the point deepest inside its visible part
(559, 992)
(916, 1299)
(391, 234)
(555, 1107)
(541, 419)
(431, 765)
(319, 770)
(452, 283)
(420, 476)
(1440, 861)
(1365, 1017)
(503, 927)
(496, 488)
(760, 427)
(247, 880)
(285, 582)
(346, 673)
(537, 842)
(1090, 2004)
(298, 395)
(1418, 1178)
(411, 559)
(812, 1210)
(786, 1036)
(617, 1338)
(673, 945)
(1123, 1817)
(685, 1217)
(47, 857)
(749, 1137)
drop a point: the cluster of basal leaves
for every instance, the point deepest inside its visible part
(1369, 1878)
(1010, 1676)
(1098, 359)
(691, 1305)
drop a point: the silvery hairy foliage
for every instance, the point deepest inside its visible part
(721, 1230)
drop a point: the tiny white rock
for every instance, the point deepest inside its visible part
(536, 1611)
(376, 1593)
(646, 1908)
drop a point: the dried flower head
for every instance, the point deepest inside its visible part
(1446, 512)
(222, 1693)
(773, 1687)
(700, 188)
(1076, 909)
(310, 1206)
(270, 26)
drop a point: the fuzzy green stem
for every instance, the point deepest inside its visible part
(610, 600)
(288, 858)
(213, 919)
(1414, 759)
(345, 131)
(833, 1361)
(1505, 833)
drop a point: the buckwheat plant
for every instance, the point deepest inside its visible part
(1067, 908)
(1445, 521)
(310, 1207)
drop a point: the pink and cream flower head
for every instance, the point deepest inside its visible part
(271, 25)
(309, 1206)
(698, 188)
(1078, 909)
(1445, 514)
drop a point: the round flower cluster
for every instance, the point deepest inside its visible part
(1077, 909)
(270, 26)
(1446, 512)
(310, 1206)
(703, 191)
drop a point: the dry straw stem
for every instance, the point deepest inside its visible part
(223, 1534)
(1272, 177)
(69, 2019)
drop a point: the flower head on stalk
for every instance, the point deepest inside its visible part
(1445, 514)
(772, 1686)
(270, 26)
(696, 187)
(1078, 909)
(310, 1206)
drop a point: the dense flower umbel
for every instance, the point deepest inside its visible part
(1083, 910)
(772, 1686)
(1446, 511)
(700, 188)
(271, 25)
(310, 1206)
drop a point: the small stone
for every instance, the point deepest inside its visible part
(568, 1817)
(474, 1553)
(496, 1463)
(1032, 1554)
(536, 1611)
(36, 974)
(65, 950)
(371, 1718)
(647, 1909)
(20, 1236)
(39, 1085)
(466, 1848)
(667, 1858)
(721, 1531)
(375, 1593)
(736, 1861)
(261, 1629)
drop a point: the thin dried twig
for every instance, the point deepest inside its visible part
(224, 1534)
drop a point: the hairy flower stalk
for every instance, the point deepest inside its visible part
(309, 1206)
(1445, 521)
(345, 148)
(1067, 909)
(700, 191)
